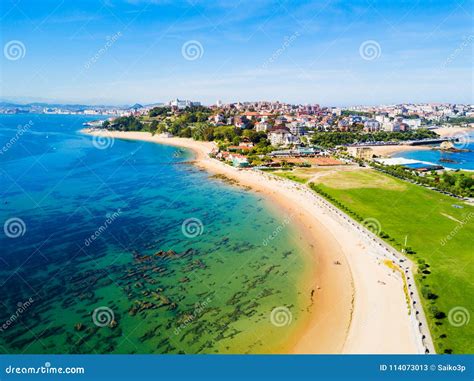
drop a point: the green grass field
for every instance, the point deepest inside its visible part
(290, 176)
(440, 234)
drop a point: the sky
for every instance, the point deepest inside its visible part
(334, 53)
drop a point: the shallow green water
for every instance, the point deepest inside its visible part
(157, 283)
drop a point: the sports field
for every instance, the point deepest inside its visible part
(437, 229)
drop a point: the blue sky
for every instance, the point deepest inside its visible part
(326, 52)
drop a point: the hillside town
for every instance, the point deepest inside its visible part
(299, 118)
(274, 135)
(271, 134)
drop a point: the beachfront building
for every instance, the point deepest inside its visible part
(239, 161)
(223, 155)
(242, 147)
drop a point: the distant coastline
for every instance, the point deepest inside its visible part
(338, 295)
(458, 160)
(391, 150)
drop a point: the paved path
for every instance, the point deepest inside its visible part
(383, 251)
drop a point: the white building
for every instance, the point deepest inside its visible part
(297, 128)
(91, 112)
(382, 119)
(262, 127)
(218, 118)
(413, 123)
(181, 104)
(282, 137)
(396, 126)
(391, 127)
(371, 125)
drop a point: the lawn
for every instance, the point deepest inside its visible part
(440, 235)
(291, 176)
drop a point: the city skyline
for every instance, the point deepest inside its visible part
(144, 52)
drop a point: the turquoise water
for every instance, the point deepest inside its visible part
(123, 247)
(462, 160)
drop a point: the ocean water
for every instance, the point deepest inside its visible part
(461, 160)
(113, 246)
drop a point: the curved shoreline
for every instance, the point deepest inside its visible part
(355, 297)
(390, 150)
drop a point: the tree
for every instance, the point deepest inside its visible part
(153, 127)
(186, 132)
(159, 111)
(236, 141)
(126, 123)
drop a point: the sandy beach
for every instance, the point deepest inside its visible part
(359, 305)
(452, 131)
(389, 150)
